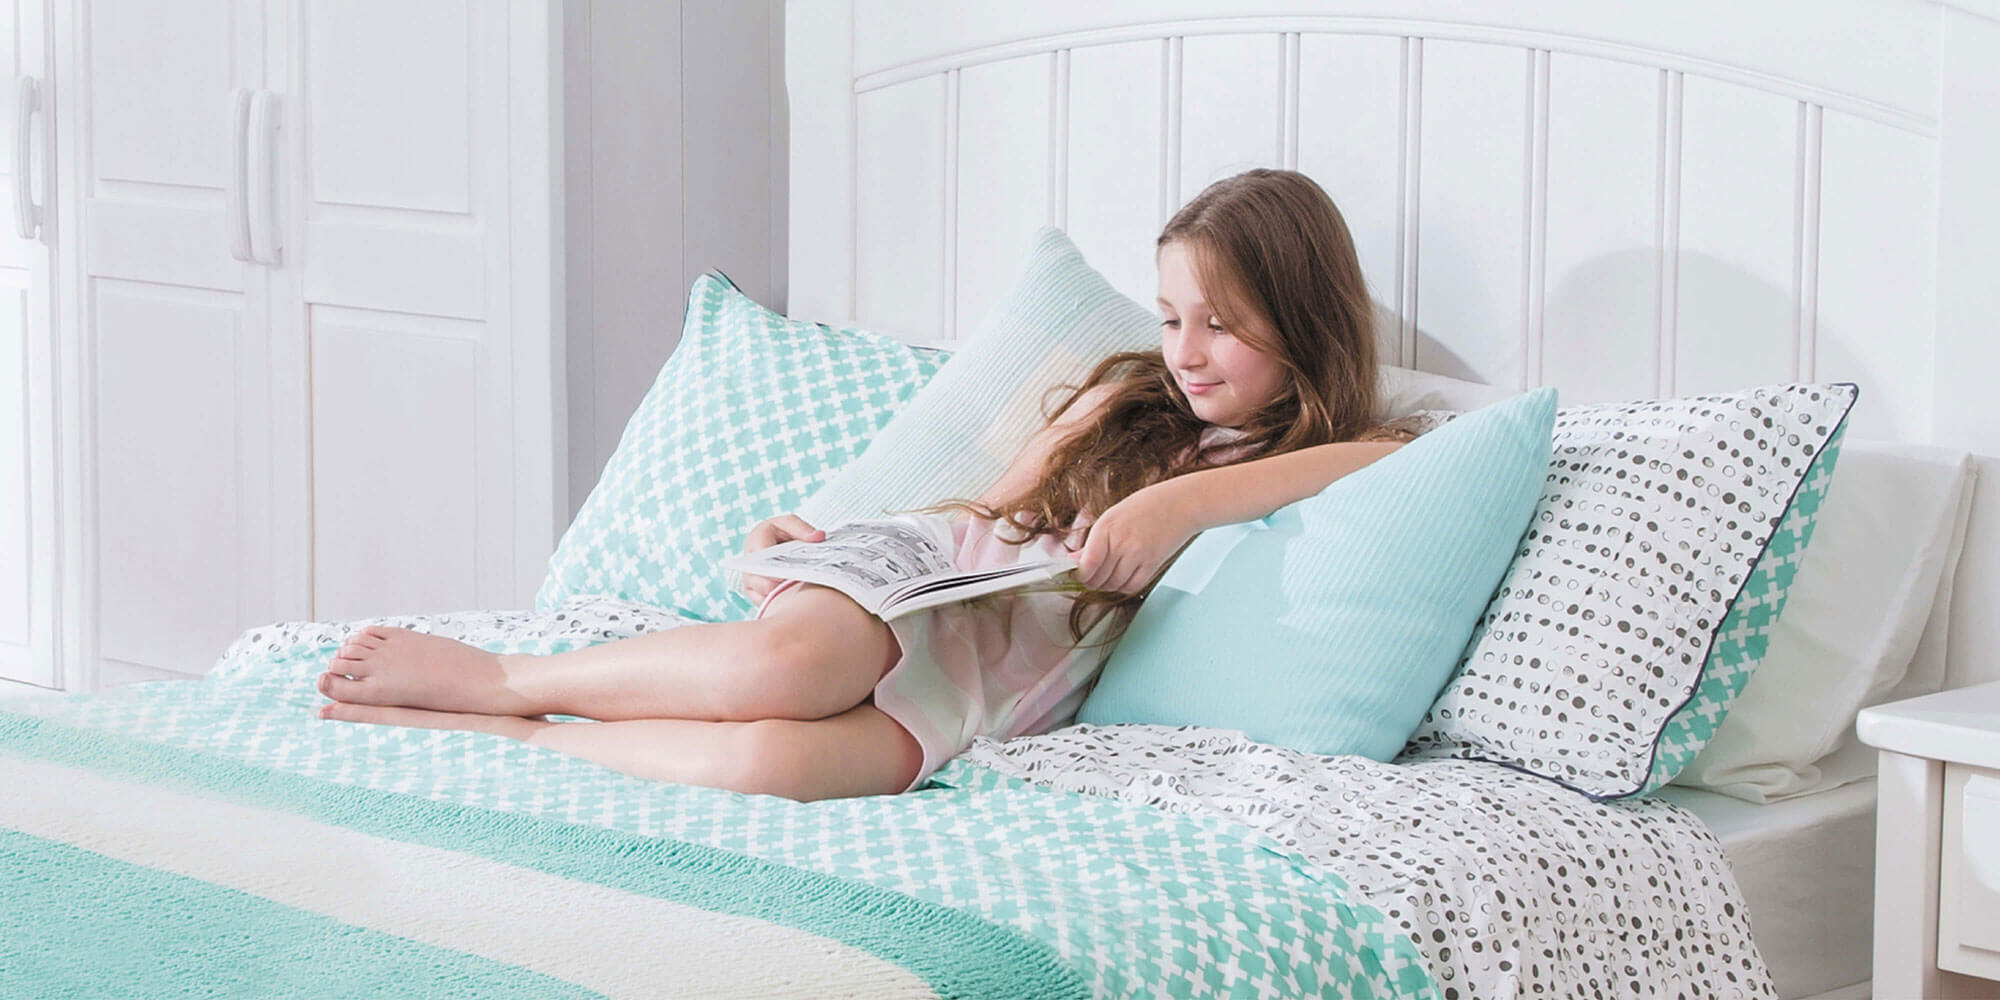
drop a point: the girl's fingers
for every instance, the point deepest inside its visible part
(1087, 559)
(1109, 576)
(796, 526)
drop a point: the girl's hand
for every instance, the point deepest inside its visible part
(783, 528)
(1129, 545)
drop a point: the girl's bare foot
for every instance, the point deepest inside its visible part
(385, 665)
(422, 718)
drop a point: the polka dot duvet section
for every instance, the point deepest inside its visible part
(1653, 527)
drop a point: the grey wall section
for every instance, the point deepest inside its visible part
(675, 161)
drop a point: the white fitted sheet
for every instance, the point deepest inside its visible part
(1806, 867)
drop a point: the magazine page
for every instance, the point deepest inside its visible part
(866, 560)
(1048, 575)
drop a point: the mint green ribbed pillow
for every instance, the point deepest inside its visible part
(1329, 626)
(961, 432)
(748, 417)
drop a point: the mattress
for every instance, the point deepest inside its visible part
(1806, 867)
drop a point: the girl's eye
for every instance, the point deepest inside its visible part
(1170, 322)
(1217, 329)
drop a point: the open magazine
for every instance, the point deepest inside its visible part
(893, 568)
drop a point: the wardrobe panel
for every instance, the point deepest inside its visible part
(184, 449)
(389, 85)
(174, 482)
(159, 84)
(14, 252)
(406, 146)
(18, 490)
(407, 483)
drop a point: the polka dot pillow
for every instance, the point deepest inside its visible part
(1643, 594)
(748, 417)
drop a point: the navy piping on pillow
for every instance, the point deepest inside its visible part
(1653, 749)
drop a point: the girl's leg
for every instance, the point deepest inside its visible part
(813, 654)
(858, 752)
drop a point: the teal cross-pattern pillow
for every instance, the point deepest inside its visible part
(1746, 631)
(749, 417)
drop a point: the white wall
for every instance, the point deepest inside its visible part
(675, 149)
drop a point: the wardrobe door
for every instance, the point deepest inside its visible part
(27, 356)
(193, 457)
(432, 419)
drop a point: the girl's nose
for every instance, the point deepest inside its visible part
(1185, 359)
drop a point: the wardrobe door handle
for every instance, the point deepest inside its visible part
(261, 204)
(237, 187)
(27, 100)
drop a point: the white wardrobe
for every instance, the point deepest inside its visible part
(281, 325)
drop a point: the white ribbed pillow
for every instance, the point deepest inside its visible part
(963, 428)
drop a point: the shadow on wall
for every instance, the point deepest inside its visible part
(1602, 339)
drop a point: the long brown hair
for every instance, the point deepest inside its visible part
(1264, 244)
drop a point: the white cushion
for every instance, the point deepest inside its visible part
(1053, 326)
(1403, 391)
(1876, 578)
(963, 429)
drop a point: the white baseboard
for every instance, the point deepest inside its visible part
(111, 673)
(1863, 990)
(16, 689)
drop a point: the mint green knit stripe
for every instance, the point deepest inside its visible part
(78, 924)
(955, 953)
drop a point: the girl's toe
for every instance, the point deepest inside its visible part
(374, 715)
(340, 688)
(342, 712)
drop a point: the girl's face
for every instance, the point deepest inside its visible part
(1224, 378)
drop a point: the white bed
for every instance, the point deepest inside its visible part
(1807, 870)
(1621, 200)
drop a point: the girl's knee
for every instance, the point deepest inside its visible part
(763, 758)
(781, 665)
(797, 761)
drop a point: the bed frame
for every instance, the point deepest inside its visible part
(1622, 200)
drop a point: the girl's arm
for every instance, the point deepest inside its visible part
(1210, 498)
(1133, 541)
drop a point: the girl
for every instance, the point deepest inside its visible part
(1261, 394)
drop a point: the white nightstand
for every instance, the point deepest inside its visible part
(1937, 844)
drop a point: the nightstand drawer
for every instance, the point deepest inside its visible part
(1969, 876)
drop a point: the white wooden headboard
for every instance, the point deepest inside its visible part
(1623, 200)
